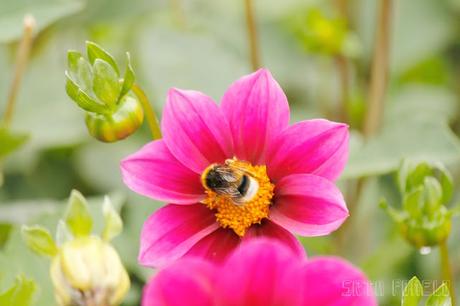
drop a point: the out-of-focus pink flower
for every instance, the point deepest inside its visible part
(261, 272)
(287, 173)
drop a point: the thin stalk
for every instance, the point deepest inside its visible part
(344, 78)
(178, 12)
(252, 35)
(379, 70)
(446, 270)
(343, 69)
(22, 58)
(148, 111)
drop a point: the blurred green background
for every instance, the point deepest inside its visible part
(203, 45)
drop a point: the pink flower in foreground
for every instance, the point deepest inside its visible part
(237, 171)
(260, 273)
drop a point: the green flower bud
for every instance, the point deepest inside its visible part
(88, 271)
(96, 86)
(326, 35)
(118, 125)
(426, 188)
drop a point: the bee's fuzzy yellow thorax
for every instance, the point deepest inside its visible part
(240, 217)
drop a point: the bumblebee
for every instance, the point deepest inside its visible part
(230, 180)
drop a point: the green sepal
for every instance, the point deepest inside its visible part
(20, 294)
(77, 217)
(446, 182)
(113, 225)
(39, 240)
(413, 293)
(417, 174)
(105, 82)
(95, 51)
(82, 99)
(413, 202)
(129, 77)
(72, 60)
(10, 142)
(433, 193)
(84, 75)
(441, 297)
(393, 213)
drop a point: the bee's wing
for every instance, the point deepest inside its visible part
(232, 178)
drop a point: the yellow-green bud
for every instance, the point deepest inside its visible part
(324, 34)
(426, 188)
(96, 85)
(88, 271)
(127, 118)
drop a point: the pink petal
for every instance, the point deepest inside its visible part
(261, 273)
(257, 110)
(334, 282)
(173, 230)
(308, 205)
(195, 130)
(313, 146)
(186, 282)
(271, 230)
(154, 172)
(216, 246)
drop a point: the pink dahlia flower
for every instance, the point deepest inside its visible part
(236, 171)
(261, 272)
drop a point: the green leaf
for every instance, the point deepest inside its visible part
(105, 84)
(413, 293)
(113, 225)
(441, 297)
(95, 52)
(77, 217)
(20, 294)
(45, 13)
(10, 142)
(39, 240)
(415, 127)
(129, 78)
(82, 99)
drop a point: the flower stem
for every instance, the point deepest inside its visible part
(252, 35)
(379, 70)
(446, 270)
(20, 67)
(343, 69)
(344, 78)
(149, 113)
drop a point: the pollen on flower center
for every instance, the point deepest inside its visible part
(239, 193)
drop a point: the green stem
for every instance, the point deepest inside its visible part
(379, 71)
(446, 270)
(149, 113)
(252, 35)
(21, 64)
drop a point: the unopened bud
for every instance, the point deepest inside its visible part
(88, 271)
(113, 112)
(426, 188)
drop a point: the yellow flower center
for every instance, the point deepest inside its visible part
(239, 193)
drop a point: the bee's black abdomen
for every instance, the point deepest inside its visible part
(243, 187)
